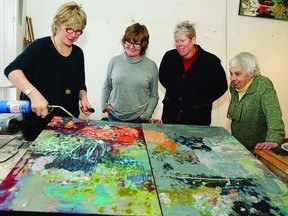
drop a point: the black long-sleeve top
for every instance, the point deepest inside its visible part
(189, 95)
(59, 79)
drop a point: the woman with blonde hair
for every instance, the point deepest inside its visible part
(193, 79)
(51, 71)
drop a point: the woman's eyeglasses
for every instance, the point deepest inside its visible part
(71, 30)
(136, 45)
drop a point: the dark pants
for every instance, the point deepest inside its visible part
(33, 125)
(30, 133)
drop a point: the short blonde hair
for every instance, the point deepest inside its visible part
(185, 28)
(69, 15)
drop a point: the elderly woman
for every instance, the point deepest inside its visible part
(254, 107)
(51, 70)
(193, 79)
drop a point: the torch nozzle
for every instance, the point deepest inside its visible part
(51, 107)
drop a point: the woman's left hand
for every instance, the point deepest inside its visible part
(86, 107)
(266, 145)
(87, 110)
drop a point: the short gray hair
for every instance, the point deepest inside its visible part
(185, 28)
(246, 60)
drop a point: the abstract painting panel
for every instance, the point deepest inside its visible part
(272, 9)
(109, 168)
(201, 170)
(76, 166)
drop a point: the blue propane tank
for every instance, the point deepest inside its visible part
(15, 106)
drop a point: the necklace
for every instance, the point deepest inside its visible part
(66, 53)
(67, 90)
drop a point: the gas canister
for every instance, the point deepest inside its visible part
(15, 106)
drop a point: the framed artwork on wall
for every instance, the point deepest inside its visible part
(273, 9)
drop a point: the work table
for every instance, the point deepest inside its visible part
(12, 148)
(276, 160)
(109, 168)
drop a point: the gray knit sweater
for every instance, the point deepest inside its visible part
(131, 87)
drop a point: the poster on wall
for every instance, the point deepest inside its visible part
(273, 9)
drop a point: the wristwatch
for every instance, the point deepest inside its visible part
(28, 91)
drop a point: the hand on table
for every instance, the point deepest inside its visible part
(266, 145)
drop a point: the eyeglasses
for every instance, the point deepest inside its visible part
(71, 30)
(136, 45)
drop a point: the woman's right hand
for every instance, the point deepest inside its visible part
(38, 103)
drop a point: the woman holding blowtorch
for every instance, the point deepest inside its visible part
(51, 71)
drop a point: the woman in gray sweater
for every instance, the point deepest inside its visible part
(254, 107)
(130, 90)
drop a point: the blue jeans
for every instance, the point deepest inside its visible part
(138, 120)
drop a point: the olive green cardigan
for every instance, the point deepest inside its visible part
(257, 117)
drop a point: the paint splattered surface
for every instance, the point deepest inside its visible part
(97, 167)
(77, 166)
(205, 171)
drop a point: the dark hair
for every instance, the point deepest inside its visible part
(137, 33)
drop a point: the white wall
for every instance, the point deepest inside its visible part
(219, 29)
(268, 40)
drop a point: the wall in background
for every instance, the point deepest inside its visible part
(219, 29)
(268, 40)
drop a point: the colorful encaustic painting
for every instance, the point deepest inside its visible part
(83, 167)
(273, 9)
(109, 168)
(202, 170)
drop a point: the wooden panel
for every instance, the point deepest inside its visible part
(276, 161)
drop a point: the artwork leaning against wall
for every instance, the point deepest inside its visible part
(273, 9)
(8, 14)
